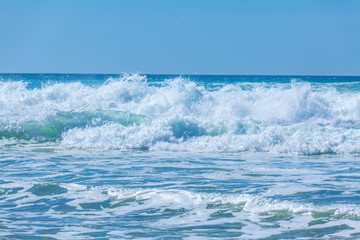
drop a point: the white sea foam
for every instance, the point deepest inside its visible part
(197, 209)
(294, 118)
(177, 199)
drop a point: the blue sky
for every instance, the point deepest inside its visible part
(291, 37)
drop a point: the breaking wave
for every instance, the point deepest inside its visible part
(180, 114)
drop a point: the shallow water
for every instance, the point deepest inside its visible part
(146, 157)
(131, 194)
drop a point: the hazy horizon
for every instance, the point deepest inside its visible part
(176, 74)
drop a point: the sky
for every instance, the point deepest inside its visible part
(245, 37)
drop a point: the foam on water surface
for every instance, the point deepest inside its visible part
(178, 210)
(196, 157)
(179, 114)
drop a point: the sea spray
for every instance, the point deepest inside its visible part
(179, 114)
(191, 157)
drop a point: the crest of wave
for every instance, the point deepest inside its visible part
(282, 118)
(279, 103)
(187, 116)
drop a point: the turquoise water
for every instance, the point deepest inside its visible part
(187, 157)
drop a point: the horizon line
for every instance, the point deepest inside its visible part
(185, 74)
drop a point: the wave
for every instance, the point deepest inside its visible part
(175, 208)
(52, 127)
(183, 115)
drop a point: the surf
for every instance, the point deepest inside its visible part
(185, 114)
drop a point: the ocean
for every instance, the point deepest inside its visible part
(130, 156)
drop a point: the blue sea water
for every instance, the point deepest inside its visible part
(179, 157)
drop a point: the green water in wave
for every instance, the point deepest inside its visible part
(52, 127)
